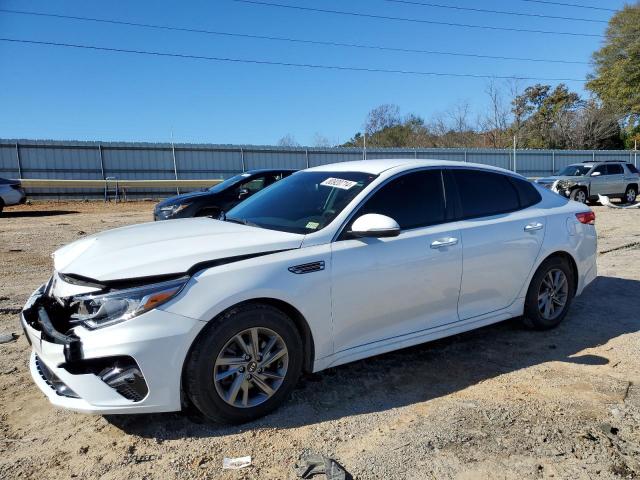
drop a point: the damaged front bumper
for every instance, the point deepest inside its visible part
(131, 367)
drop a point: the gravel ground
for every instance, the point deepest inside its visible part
(500, 402)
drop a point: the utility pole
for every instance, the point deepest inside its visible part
(514, 155)
(364, 149)
(175, 165)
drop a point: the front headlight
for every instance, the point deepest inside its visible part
(96, 311)
(174, 209)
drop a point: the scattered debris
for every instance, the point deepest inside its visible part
(236, 463)
(311, 464)
(8, 337)
(10, 311)
(604, 200)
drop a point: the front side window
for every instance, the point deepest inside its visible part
(254, 185)
(602, 169)
(483, 194)
(413, 200)
(304, 202)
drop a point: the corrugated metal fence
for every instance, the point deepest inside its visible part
(36, 159)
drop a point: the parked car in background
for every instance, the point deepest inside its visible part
(219, 198)
(329, 265)
(11, 193)
(583, 182)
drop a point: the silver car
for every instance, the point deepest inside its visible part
(11, 193)
(583, 182)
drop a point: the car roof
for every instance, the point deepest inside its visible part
(269, 170)
(376, 167)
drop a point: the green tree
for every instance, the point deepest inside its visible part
(616, 80)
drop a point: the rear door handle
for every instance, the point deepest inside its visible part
(444, 242)
(531, 227)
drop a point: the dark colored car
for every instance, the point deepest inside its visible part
(219, 198)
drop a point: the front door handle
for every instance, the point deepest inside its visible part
(444, 242)
(532, 227)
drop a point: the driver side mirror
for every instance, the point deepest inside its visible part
(596, 174)
(243, 193)
(373, 225)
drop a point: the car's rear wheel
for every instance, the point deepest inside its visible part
(244, 365)
(579, 195)
(550, 294)
(1, 205)
(630, 194)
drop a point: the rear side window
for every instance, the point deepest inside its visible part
(632, 168)
(615, 169)
(413, 200)
(485, 193)
(527, 193)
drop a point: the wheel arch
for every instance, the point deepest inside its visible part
(632, 184)
(292, 312)
(570, 260)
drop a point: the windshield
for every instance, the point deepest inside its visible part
(574, 171)
(228, 182)
(304, 202)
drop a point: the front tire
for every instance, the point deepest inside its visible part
(550, 294)
(578, 195)
(244, 365)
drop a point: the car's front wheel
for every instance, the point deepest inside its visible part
(578, 195)
(244, 365)
(550, 294)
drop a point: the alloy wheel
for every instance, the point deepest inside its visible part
(581, 196)
(631, 195)
(553, 294)
(251, 367)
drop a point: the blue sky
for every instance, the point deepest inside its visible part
(50, 92)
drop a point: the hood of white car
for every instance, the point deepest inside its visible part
(165, 248)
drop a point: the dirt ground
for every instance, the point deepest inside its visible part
(500, 402)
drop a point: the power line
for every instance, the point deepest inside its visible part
(282, 64)
(417, 20)
(500, 12)
(288, 39)
(575, 5)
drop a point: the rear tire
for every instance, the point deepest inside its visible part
(222, 378)
(549, 295)
(630, 195)
(1, 206)
(578, 195)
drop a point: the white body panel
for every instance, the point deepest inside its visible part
(373, 295)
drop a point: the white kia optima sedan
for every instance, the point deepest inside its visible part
(330, 265)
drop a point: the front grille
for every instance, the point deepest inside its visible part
(53, 381)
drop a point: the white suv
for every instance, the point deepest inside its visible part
(330, 265)
(11, 193)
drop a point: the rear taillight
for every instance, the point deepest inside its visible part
(588, 218)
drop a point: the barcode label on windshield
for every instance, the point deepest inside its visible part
(338, 183)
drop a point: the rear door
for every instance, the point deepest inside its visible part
(501, 235)
(615, 179)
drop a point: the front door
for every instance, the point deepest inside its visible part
(386, 288)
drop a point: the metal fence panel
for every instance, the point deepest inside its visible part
(145, 161)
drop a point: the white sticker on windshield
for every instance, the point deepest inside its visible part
(312, 225)
(338, 183)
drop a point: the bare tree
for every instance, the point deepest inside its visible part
(495, 122)
(288, 141)
(381, 117)
(320, 140)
